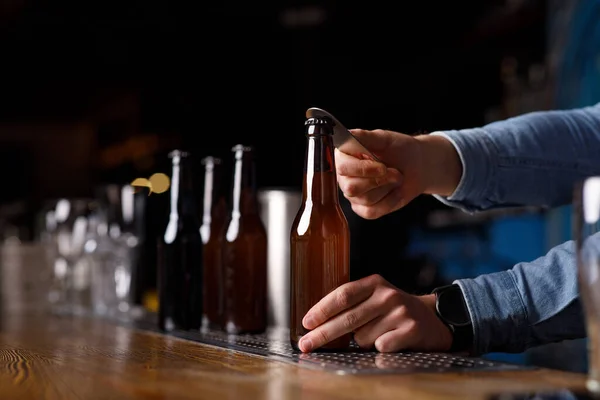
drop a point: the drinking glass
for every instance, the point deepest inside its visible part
(586, 227)
(71, 286)
(114, 250)
(45, 234)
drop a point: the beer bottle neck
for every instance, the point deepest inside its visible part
(243, 199)
(212, 192)
(320, 183)
(182, 189)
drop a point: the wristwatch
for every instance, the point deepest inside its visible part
(452, 310)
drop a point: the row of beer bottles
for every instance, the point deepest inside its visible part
(230, 291)
(212, 269)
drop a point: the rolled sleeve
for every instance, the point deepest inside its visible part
(530, 160)
(533, 303)
(497, 313)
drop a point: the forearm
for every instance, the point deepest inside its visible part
(531, 304)
(534, 159)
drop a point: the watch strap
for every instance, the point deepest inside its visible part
(462, 334)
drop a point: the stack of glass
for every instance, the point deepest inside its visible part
(93, 247)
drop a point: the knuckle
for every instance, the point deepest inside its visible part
(412, 327)
(398, 313)
(369, 168)
(350, 321)
(382, 345)
(323, 311)
(323, 337)
(351, 188)
(364, 169)
(354, 202)
(392, 297)
(343, 298)
(375, 279)
(379, 170)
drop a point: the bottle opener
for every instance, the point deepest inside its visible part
(343, 140)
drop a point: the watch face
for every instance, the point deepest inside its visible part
(452, 307)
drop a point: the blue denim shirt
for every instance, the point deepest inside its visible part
(534, 159)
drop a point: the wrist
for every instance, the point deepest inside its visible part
(441, 165)
(429, 301)
(444, 337)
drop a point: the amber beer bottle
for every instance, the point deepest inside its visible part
(320, 236)
(244, 252)
(214, 215)
(180, 254)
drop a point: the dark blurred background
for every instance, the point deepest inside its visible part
(100, 91)
(103, 89)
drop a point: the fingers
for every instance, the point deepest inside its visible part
(373, 196)
(357, 186)
(340, 299)
(376, 140)
(390, 202)
(367, 334)
(346, 322)
(401, 338)
(347, 165)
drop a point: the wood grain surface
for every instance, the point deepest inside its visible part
(48, 357)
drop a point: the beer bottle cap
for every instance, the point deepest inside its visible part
(241, 147)
(210, 160)
(179, 153)
(319, 121)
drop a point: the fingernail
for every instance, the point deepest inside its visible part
(308, 322)
(305, 344)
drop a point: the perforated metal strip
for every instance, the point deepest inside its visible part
(275, 345)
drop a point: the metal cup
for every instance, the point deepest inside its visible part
(279, 207)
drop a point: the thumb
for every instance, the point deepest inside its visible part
(376, 140)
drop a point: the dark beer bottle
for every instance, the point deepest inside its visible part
(320, 236)
(214, 215)
(180, 269)
(244, 252)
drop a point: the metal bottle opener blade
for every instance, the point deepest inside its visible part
(342, 138)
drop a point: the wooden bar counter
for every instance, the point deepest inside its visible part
(49, 357)
(43, 356)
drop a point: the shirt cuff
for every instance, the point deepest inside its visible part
(479, 162)
(497, 313)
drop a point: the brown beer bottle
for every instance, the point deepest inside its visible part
(244, 252)
(214, 215)
(320, 236)
(180, 254)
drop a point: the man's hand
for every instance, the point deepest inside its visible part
(380, 315)
(409, 166)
